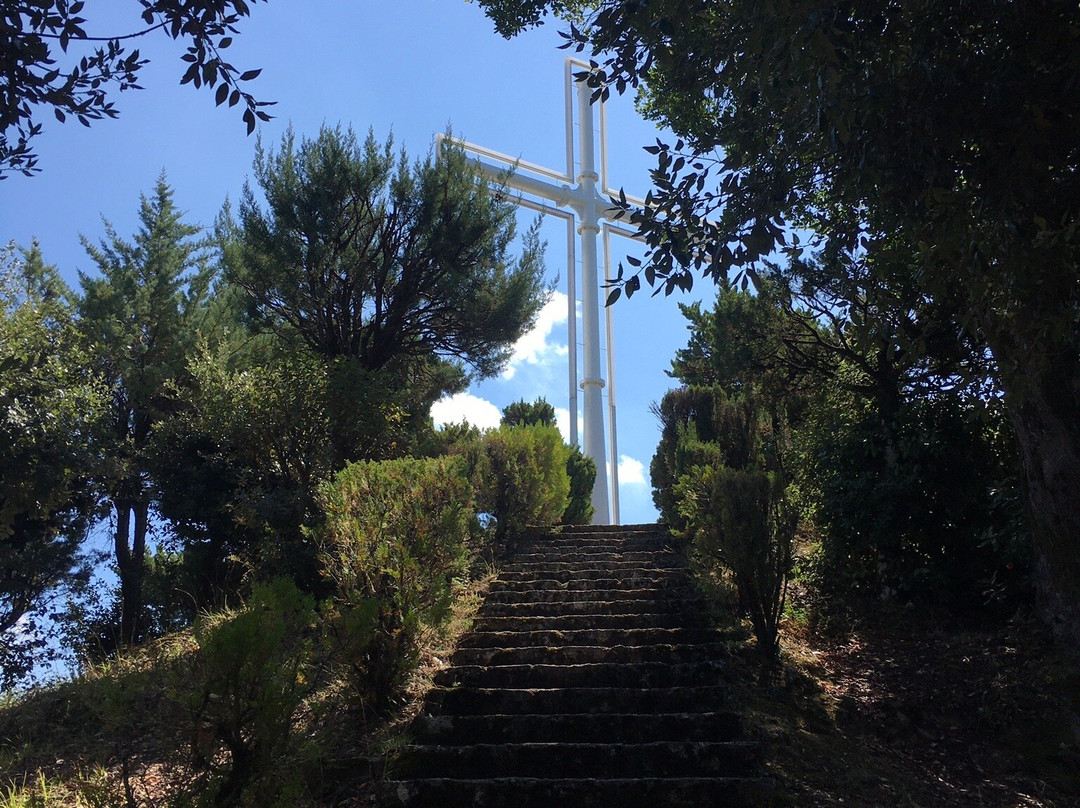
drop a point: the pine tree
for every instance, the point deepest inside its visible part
(140, 315)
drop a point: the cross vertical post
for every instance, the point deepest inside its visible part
(589, 208)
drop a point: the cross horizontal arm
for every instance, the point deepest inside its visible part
(508, 174)
(561, 195)
(491, 154)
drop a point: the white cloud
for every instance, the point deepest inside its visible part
(631, 471)
(562, 421)
(534, 348)
(465, 407)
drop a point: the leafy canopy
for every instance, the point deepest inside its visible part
(49, 403)
(932, 141)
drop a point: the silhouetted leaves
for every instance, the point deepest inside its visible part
(31, 80)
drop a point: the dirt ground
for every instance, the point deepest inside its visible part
(912, 709)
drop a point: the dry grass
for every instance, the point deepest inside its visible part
(121, 733)
(107, 737)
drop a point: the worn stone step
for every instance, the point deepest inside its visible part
(591, 636)
(603, 530)
(507, 576)
(590, 678)
(576, 700)
(619, 564)
(593, 607)
(581, 728)
(597, 544)
(658, 792)
(585, 674)
(605, 557)
(566, 622)
(544, 569)
(587, 595)
(602, 760)
(578, 654)
(644, 582)
(573, 552)
(599, 532)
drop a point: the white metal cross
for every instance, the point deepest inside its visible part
(589, 204)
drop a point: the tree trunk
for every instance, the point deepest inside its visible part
(1043, 399)
(131, 565)
(1049, 439)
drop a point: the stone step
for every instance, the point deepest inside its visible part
(644, 582)
(570, 552)
(601, 760)
(574, 576)
(634, 606)
(590, 636)
(590, 678)
(581, 728)
(543, 569)
(569, 622)
(653, 792)
(576, 700)
(600, 530)
(644, 557)
(578, 654)
(601, 544)
(587, 595)
(585, 674)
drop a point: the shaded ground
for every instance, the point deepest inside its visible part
(907, 709)
(911, 710)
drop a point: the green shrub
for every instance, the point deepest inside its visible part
(395, 536)
(582, 473)
(718, 480)
(744, 520)
(580, 469)
(523, 478)
(684, 413)
(933, 516)
(251, 674)
(704, 426)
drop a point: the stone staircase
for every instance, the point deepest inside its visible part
(590, 678)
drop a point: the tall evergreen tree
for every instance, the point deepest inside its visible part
(525, 413)
(140, 315)
(360, 254)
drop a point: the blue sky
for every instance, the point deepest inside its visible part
(412, 67)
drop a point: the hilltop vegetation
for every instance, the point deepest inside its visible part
(871, 456)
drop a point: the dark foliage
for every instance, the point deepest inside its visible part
(936, 142)
(361, 254)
